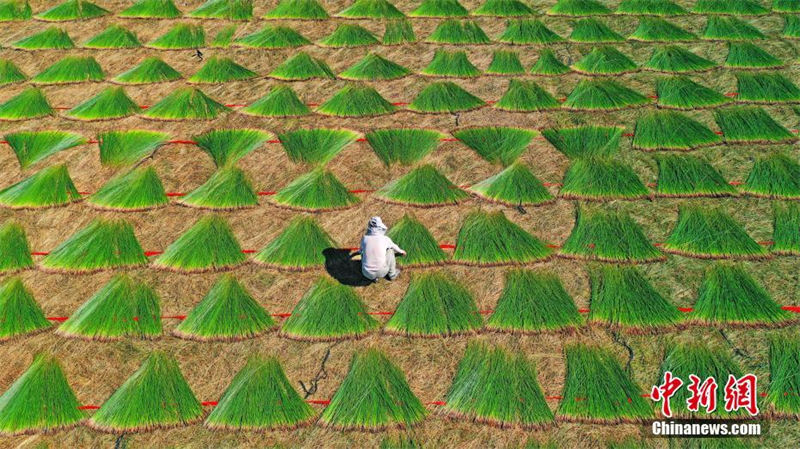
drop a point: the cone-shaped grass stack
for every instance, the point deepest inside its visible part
(675, 59)
(504, 8)
(514, 186)
(50, 39)
(15, 253)
(317, 145)
(399, 31)
(302, 66)
(670, 130)
(300, 246)
(15, 10)
(548, 64)
(150, 70)
(420, 246)
(371, 9)
(789, 6)
(209, 245)
(592, 30)
(221, 70)
(181, 36)
(786, 229)
(349, 35)
(439, 8)
(120, 148)
(31, 147)
(603, 95)
(681, 92)
(135, 190)
(609, 236)
(747, 55)
(273, 37)
(374, 395)
(20, 315)
(711, 234)
(444, 96)
(749, 124)
(72, 10)
(10, 73)
(110, 104)
(355, 100)
(297, 9)
(374, 67)
(435, 306)
(784, 376)
(227, 189)
(328, 311)
(689, 176)
(585, 141)
(495, 143)
(724, 28)
(227, 146)
(766, 88)
(528, 31)
(131, 407)
(601, 179)
(29, 104)
(578, 8)
(654, 29)
(102, 245)
(605, 60)
(423, 186)
(151, 9)
(451, 64)
(774, 175)
(505, 63)
(224, 9)
(224, 37)
(260, 397)
(403, 145)
(186, 103)
(456, 32)
(489, 238)
(526, 96)
(48, 187)
(317, 190)
(791, 28)
(124, 307)
(40, 400)
(114, 36)
(281, 101)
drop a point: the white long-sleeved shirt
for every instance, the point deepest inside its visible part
(373, 252)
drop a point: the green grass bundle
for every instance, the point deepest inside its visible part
(227, 189)
(785, 6)
(496, 144)
(451, 64)
(349, 35)
(593, 31)
(420, 246)
(747, 55)
(374, 67)
(730, 296)
(675, 59)
(597, 389)
(316, 191)
(209, 245)
(733, 7)
(514, 186)
(110, 104)
(711, 234)
(29, 104)
(298, 247)
(601, 179)
(297, 9)
(375, 395)
(774, 175)
(605, 60)
(72, 10)
(15, 10)
(10, 73)
(549, 64)
(71, 69)
(48, 187)
(603, 95)
(423, 186)
(489, 238)
(689, 176)
(151, 9)
(526, 96)
(156, 396)
(186, 103)
(626, 239)
(444, 96)
(20, 315)
(435, 305)
(439, 8)
(766, 88)
(356, 100)
(317, 145)
(499, 388)
(150, 70)
(224, 9)
(403, 145)
(40, 400)
(31, 147)
(622, 298)
(680, 92)
(671, 130)
(273, 37)
(505, 63)
(650, 8)
(453, 31)
(281, 101)
(328, 311)
(748, 124)
(15, 254)
(226, 313)
(784, 376)
(723, 28)
(124, 307)
(528, 31)
(302, 66)
(577, 8)
(791, 28)
(224, 37)
(120, 148)
(260, 397)
(114, 36)
(135, 190)
(533, 302)
(221, 70)
(398, 31)
(371, 9)
(503, 8)
(181, 36)
(785, 229)
(103, 244)
(654, 29)
(585, 141)
(52, 38)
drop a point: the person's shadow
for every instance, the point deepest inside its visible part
(341, 265)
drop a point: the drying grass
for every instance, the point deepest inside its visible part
(655, 29)
(650, 8)
(670, 130)
(260, 397)
(221, 70)
(71, 69)
(328, 311)
(784, 376)
(403, 145)
(585, 141)
(597, 390)
(114, 36)
(774, 175)
(10, 73)
(499, 388)
(785, 229)
(15, 254)
(374, 395)
(150, 70)
(181, 36)
(300, 246)
(489, 238)
(578, 8)
(297, 9)
(124, 307)
(549, 64)
(747, 124)
(733, 7)
(371, 9)
(356, 100)
(420, 246)
(135, 190)
(724, 28)
(785, 6)
(151, 9)
(604, 60)
(689, 176)
(131, 409)
(224, 9)
(514, 186)
(317, 145)
(526, 96)
(603, 95)
(675, 59)
(601, 179)
(528, 31)
(120, 148)
(711, 234)
(791, 28)
(15, 10)
(317, 190)
(349, 35)
(20, 315)
(423, 186)
(224, 37)
(302, 66)
(747, 55)
(40, 400)
(103, 244)
(110, 104)
(766, 88)
(680, 92)
(444, 96)
(505, 63)
(48, 187)
(496, 144)
(439, 8)
(227, 146)
(374, 67)
(451, 63)
(281, 101)
(72, 10)
(398, 31)
(227, 189)
(503, 8)
(453, 31)
(593, 31)
(186, 103)
(209, 245)
(52, 38)
(626, 239)
(31, 147)
(533, 302)
(273, 37)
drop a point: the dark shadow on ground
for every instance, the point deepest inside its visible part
(341, 265)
